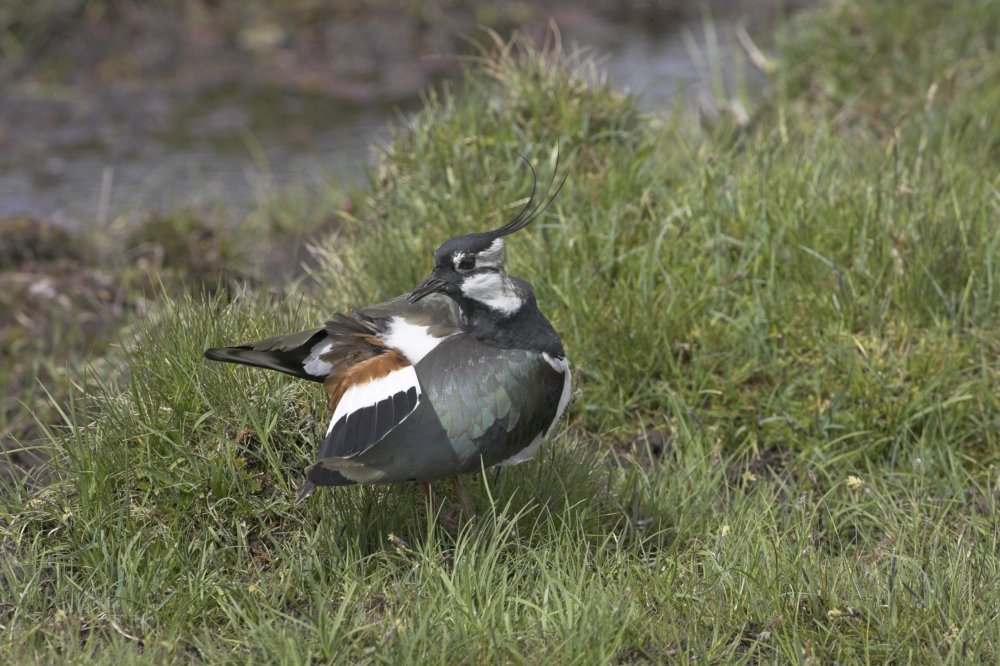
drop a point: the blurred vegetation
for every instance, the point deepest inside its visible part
(784, 439)
(26, 23)
(68, 297)
(72, 33)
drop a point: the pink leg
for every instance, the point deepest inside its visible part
(462, 498)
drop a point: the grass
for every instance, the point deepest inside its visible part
(784, 441)
(66, 294)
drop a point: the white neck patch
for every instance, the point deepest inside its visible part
(493, 290)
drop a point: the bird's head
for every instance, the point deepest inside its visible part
(471, 267)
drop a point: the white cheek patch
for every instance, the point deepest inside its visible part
(315, 366)
(411, 339)
(493, 290)
(492, 256)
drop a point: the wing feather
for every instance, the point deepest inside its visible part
(379, 394)
(466, 417)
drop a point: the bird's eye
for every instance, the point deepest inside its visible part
(467, 264)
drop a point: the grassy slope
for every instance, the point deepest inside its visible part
(806, 310)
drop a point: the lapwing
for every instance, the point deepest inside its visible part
(462, 373)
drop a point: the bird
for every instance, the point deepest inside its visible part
(460, 374)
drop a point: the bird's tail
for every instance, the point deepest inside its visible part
(306, 491)
(290, 354)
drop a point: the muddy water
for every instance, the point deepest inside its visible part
(234, 158)
(230, 147)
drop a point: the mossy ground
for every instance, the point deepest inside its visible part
(784, 441)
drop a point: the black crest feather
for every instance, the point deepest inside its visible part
(531, 211)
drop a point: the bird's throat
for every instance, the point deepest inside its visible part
(492, 291)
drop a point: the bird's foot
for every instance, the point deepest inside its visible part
(464, 502)
(452, 516)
